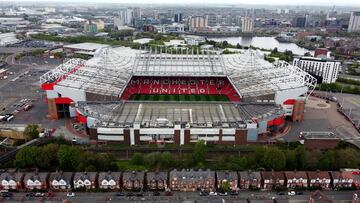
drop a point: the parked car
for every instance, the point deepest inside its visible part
(168, 193)
(6, 194)
(130, 194)
(39, 194)
(291, 193)
(223, 193)
(156, 193)
(70, 194)
(204, 193)
(281, 193)
(213, 194)
(234, 193)
(119, 194)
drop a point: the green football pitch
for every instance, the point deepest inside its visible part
(176, 97)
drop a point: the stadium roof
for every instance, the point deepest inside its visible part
(86, 46)
(155, 114)
(108, 72)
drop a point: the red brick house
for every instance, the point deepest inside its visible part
(36, 180)
(320, 179)
(133, 180)
(228, 176)
(296, 179)
(86, 180)
(60, 181)
(109, 180)
(191, 180)
(156, 180)
(11, 180)
(250, 179)
(272, 179)
(342, 179)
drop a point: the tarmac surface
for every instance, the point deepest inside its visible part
(178, 197)
(326, 119)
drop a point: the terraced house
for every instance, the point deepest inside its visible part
(296, 179)
(60, 181)
(11, 180)
(191, 180)
(85, 180)
(109, 180)
(228, 176)
(36, 180)
(133, 180)
(156, 180)
(250, 179)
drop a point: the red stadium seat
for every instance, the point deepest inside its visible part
(180, 85)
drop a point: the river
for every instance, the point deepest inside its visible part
(263, 42)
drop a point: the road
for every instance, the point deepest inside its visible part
(336, 196)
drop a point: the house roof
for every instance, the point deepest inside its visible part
(273, 175)
(318, 174)
(250, 175)
(16, 176)
(227, 175)
(85, 176)
(40, 176)
(295, 174)
(61, 176)
(133, 175)
(156, 176)
(109, 176)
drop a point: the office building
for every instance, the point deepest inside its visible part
(247, 25)
(354, 23)
(323, 69)
(197, 22)
(178, 17)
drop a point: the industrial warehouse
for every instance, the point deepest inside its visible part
(177, 96)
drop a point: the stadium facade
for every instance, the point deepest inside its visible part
(106, 94)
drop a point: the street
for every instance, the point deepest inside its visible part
(336, 196)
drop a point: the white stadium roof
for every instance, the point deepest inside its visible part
(108, 72)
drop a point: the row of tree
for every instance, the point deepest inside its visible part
(277, 157)
(64, 157)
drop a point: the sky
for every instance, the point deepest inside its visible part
(351, 3)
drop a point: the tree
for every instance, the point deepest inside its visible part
(225, 186)
(327, 160)
(166, 160)
(137, 159)
(347, 158)
(199, 153)
(300, 157)
(152, 160)
(238, 46)
(31, 131)
(68, 157)
(46, 158)
(26, 157)
(274, 158)
(290, 159)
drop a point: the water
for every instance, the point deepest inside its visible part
(264, 42)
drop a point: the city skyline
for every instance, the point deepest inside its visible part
(328, 3)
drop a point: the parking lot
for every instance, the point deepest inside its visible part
(327, 118)
(22, 89)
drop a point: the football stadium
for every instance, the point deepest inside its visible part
(177, 96)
